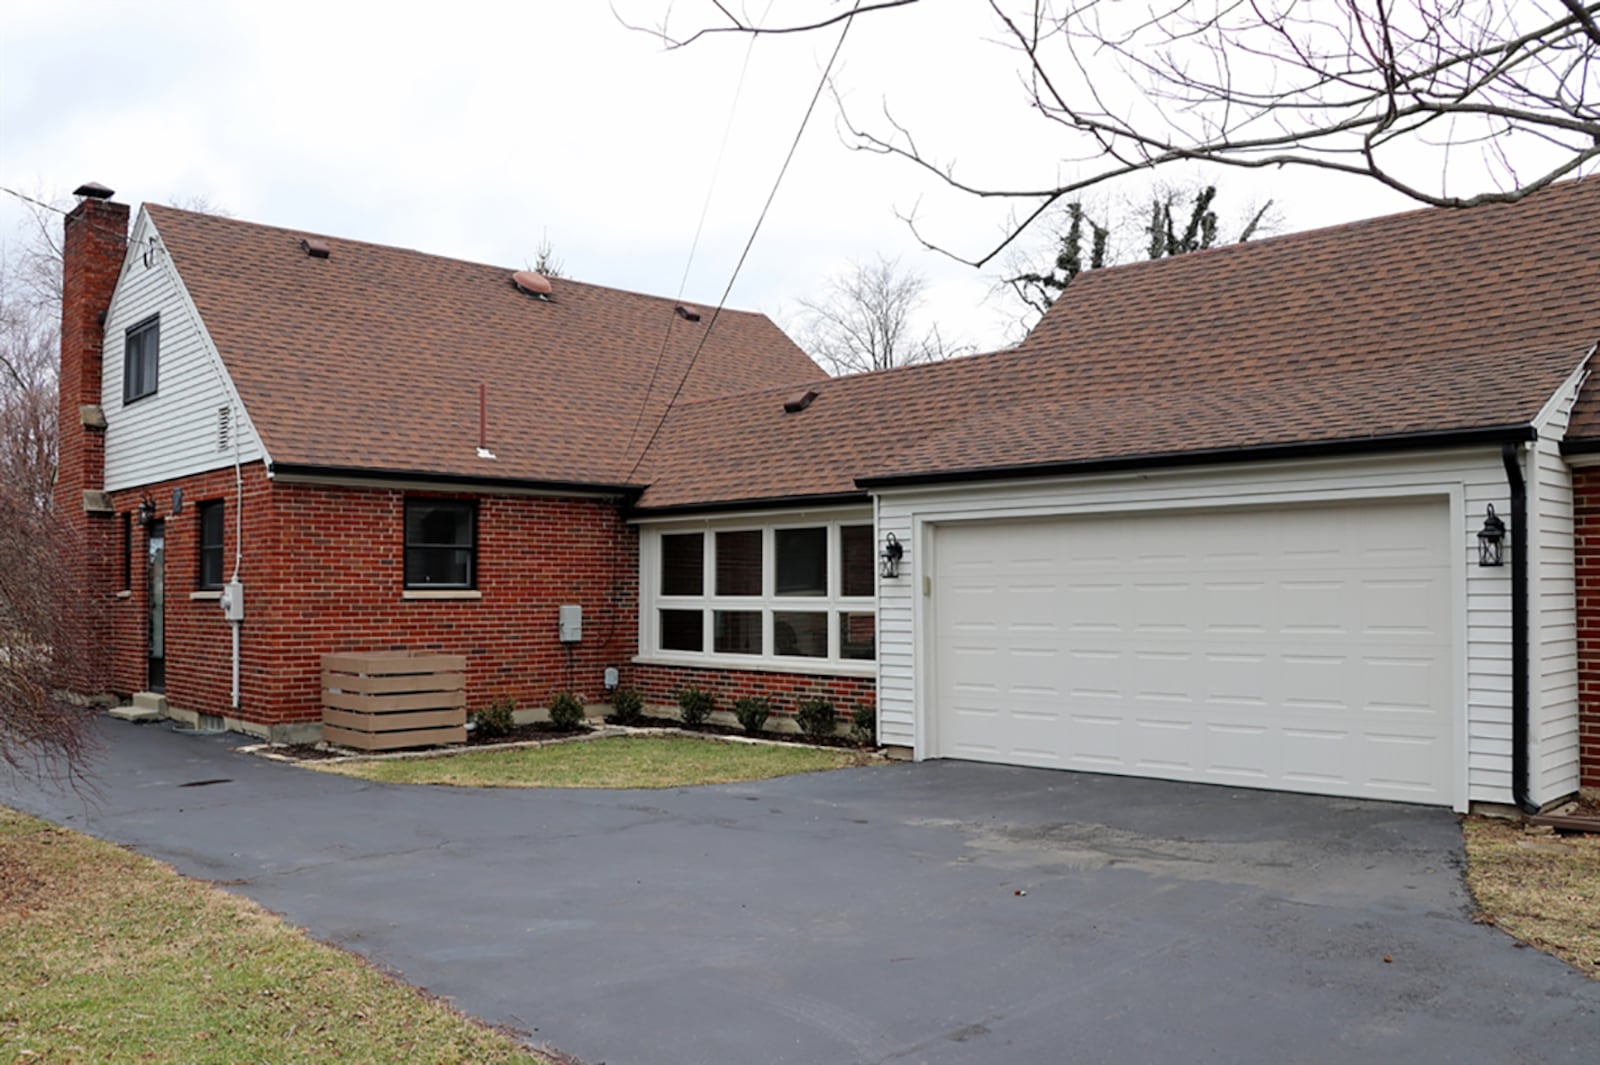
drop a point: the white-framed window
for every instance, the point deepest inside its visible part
(782, 594)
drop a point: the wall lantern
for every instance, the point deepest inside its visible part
(1491, 540)
(890, 556)
(147, 510)
(177, 501)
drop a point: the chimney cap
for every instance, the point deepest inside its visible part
(93, 190)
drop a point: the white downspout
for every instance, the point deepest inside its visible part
(238, 553)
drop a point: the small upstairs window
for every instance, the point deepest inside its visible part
(141, 356)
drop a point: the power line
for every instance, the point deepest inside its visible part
(694, 245)
(756, 229)
(37, 203)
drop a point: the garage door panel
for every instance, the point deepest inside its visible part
(1156, 645)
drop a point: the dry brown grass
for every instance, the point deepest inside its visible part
(1542, 889)
(106, 956)
(613, 762)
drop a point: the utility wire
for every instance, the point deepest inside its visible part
(794, 146)
(37, 203)
(694, 245)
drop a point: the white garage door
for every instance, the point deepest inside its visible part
(1300, 649)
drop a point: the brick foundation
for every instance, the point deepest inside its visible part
(661, 684)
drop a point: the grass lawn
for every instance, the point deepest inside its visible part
(615, 762)
(1545, 890)
(106, 956)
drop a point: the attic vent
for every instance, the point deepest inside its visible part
(531, 284)
(224, 428)
(799, 401)
(314, 248)
(686, 314)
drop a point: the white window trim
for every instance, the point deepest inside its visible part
(651, 601)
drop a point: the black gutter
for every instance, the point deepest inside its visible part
(450, 480)
(1499, 434)
(1585, 446)
(1511, 455)
(832, 499)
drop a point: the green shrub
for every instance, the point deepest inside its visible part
(694, 705)
(864, 726)
(816, 717)
(566, 711)
(752, 713)
(627, 706)
(496, 719)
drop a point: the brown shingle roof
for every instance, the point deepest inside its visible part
(372, 357)
(1430, 322)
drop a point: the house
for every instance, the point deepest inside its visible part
(1303, 514)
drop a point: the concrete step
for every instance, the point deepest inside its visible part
(146, 706)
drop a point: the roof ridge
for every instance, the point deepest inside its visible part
(669, 301)
(1323, 232)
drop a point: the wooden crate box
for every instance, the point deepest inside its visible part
(390, 699)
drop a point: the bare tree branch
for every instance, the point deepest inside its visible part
(1399, 92)
(864, 321)
(738, 25)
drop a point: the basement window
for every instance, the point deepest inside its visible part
(211, 557)
(141, 356)
(441, 543)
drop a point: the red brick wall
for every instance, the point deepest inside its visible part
(661, 684)
(323, 572)
(1586, 485)
(198, 640)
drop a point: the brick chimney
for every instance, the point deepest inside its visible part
(96, 240)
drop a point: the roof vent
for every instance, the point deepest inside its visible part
(93, 190)
(314, 248)
(686, 314)
(799, 401)
(532, 284)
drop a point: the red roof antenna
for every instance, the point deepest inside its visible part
(483, 422)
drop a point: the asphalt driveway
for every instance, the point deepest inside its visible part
(874, 914)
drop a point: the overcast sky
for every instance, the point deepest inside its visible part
(474, 129)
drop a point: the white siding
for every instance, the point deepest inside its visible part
(174, 432)
(1553, 607)
(1469, 479)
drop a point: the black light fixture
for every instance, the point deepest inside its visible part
(147, 511)
(177, 501)
(1491, 540)
(890, 556)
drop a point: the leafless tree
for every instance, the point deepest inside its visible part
(1173, 221)
(548, 262)
(865, 321)
(1395, 91)
(44, 625)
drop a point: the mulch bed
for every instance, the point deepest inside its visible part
(712, 729)
(533, 730)
(543, 730)
(1585, 818)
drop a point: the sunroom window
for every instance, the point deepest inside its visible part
(777, 596)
